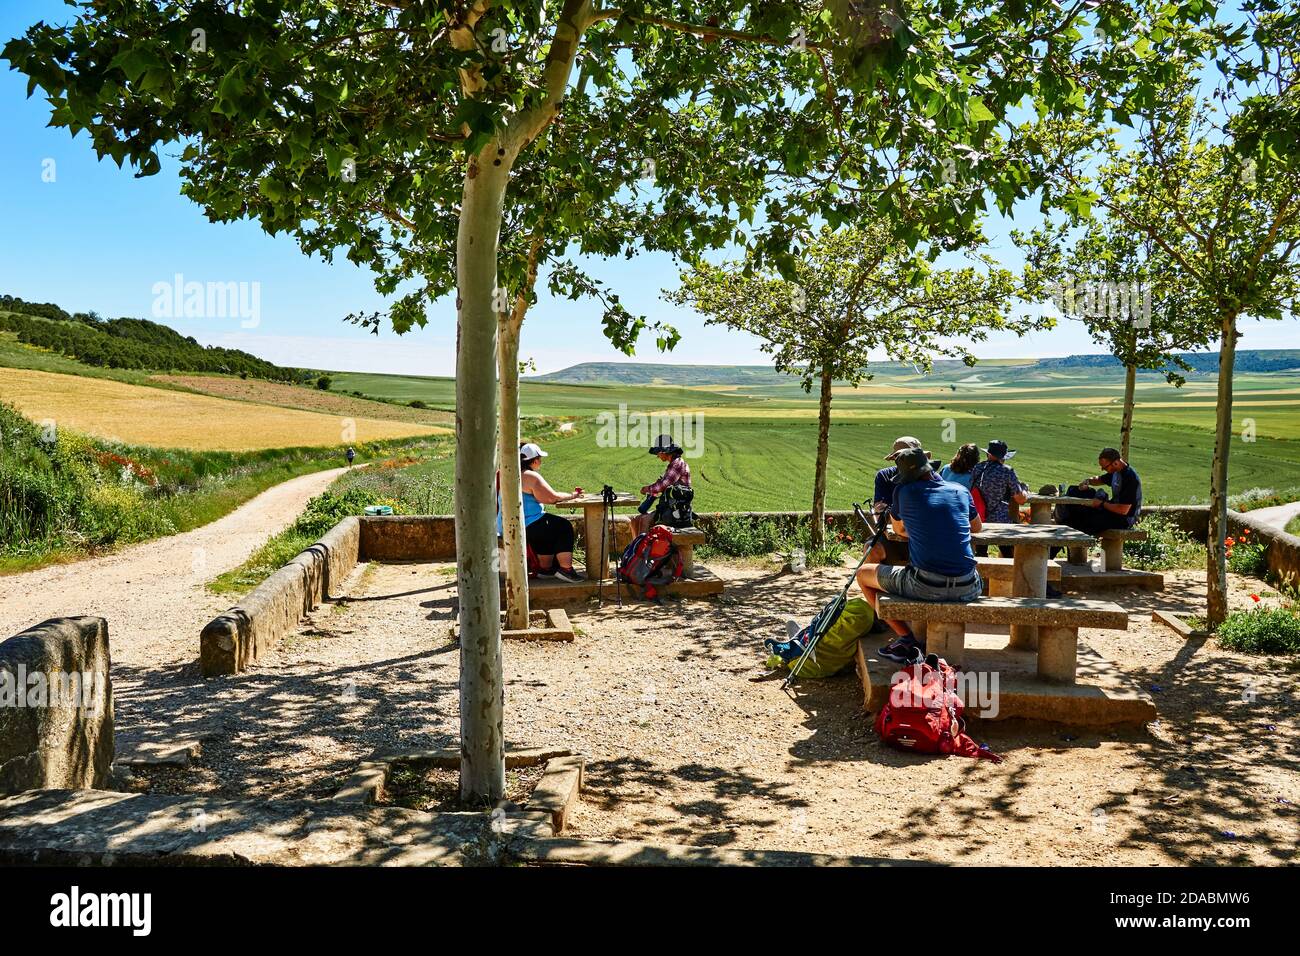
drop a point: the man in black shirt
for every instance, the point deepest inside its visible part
(1122, 508)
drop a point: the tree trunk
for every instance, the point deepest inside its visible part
(512, 505)
(823, 452)
(482, 759)
(1217, 571)
(1126, 427)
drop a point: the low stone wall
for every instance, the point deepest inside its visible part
(408, 538)
(273, 609)
(56, 707)
(1283, 548)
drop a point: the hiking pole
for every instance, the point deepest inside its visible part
(610, 495)
(831, 612)
(606, 536)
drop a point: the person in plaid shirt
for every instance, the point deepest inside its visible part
(677, 473)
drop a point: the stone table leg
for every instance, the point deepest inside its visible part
(1040, 512)
(1029, 579)
(593, 516)
(948, 640)
(1112, 553)
(1058, 652)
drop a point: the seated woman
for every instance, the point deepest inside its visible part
(959, 470)
(549, 535)
(675, 479)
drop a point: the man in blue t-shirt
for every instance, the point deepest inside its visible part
(937, 518)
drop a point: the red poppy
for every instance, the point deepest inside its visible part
(1255, 598)
(1230, 542)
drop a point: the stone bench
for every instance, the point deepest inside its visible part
(1058, 621)
(686, 540)
(998, 574)
(1112, 547)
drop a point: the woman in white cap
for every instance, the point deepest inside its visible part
(549, 535)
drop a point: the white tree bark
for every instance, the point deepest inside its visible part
(482, 754)
(1217, 570)
(512, 506)
(1126, 427)
(823, 453)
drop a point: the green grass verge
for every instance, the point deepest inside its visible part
(1261, 631)
(407, 485)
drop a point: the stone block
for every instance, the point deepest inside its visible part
(56, 707)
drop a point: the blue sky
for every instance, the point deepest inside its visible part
(97, 238)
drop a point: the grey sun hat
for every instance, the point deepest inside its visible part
(913, 465)
(902, 444)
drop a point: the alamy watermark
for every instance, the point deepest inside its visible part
(640, 429)
(179, 299)
(1123, 301)
(979, 689)
(21, 688)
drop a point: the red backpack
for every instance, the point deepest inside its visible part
(924, 714)
(651, 561)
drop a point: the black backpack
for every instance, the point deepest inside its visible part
(674, 507)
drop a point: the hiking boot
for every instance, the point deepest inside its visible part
(903, 650)
(569, 574)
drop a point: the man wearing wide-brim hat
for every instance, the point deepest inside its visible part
(937, 517)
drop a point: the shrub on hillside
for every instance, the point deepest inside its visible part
(1261, 631)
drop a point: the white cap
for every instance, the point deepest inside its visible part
(528, 451)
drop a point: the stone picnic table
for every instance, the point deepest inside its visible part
(1033, 543)
(1040, 506)
(593, 516)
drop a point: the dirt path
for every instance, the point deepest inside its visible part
(684, 747)
(1278, 515)
(152, 593)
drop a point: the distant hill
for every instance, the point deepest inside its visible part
(1257, 360)
(645, 373)
(128, 343)
(639, 373)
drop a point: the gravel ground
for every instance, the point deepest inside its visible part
(684, 745)
(153, 593)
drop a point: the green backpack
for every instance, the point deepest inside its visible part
(838, 645)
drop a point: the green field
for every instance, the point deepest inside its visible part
(758, 450)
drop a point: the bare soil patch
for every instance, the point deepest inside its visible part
(437, 789)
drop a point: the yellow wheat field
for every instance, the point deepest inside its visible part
(138, 415)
